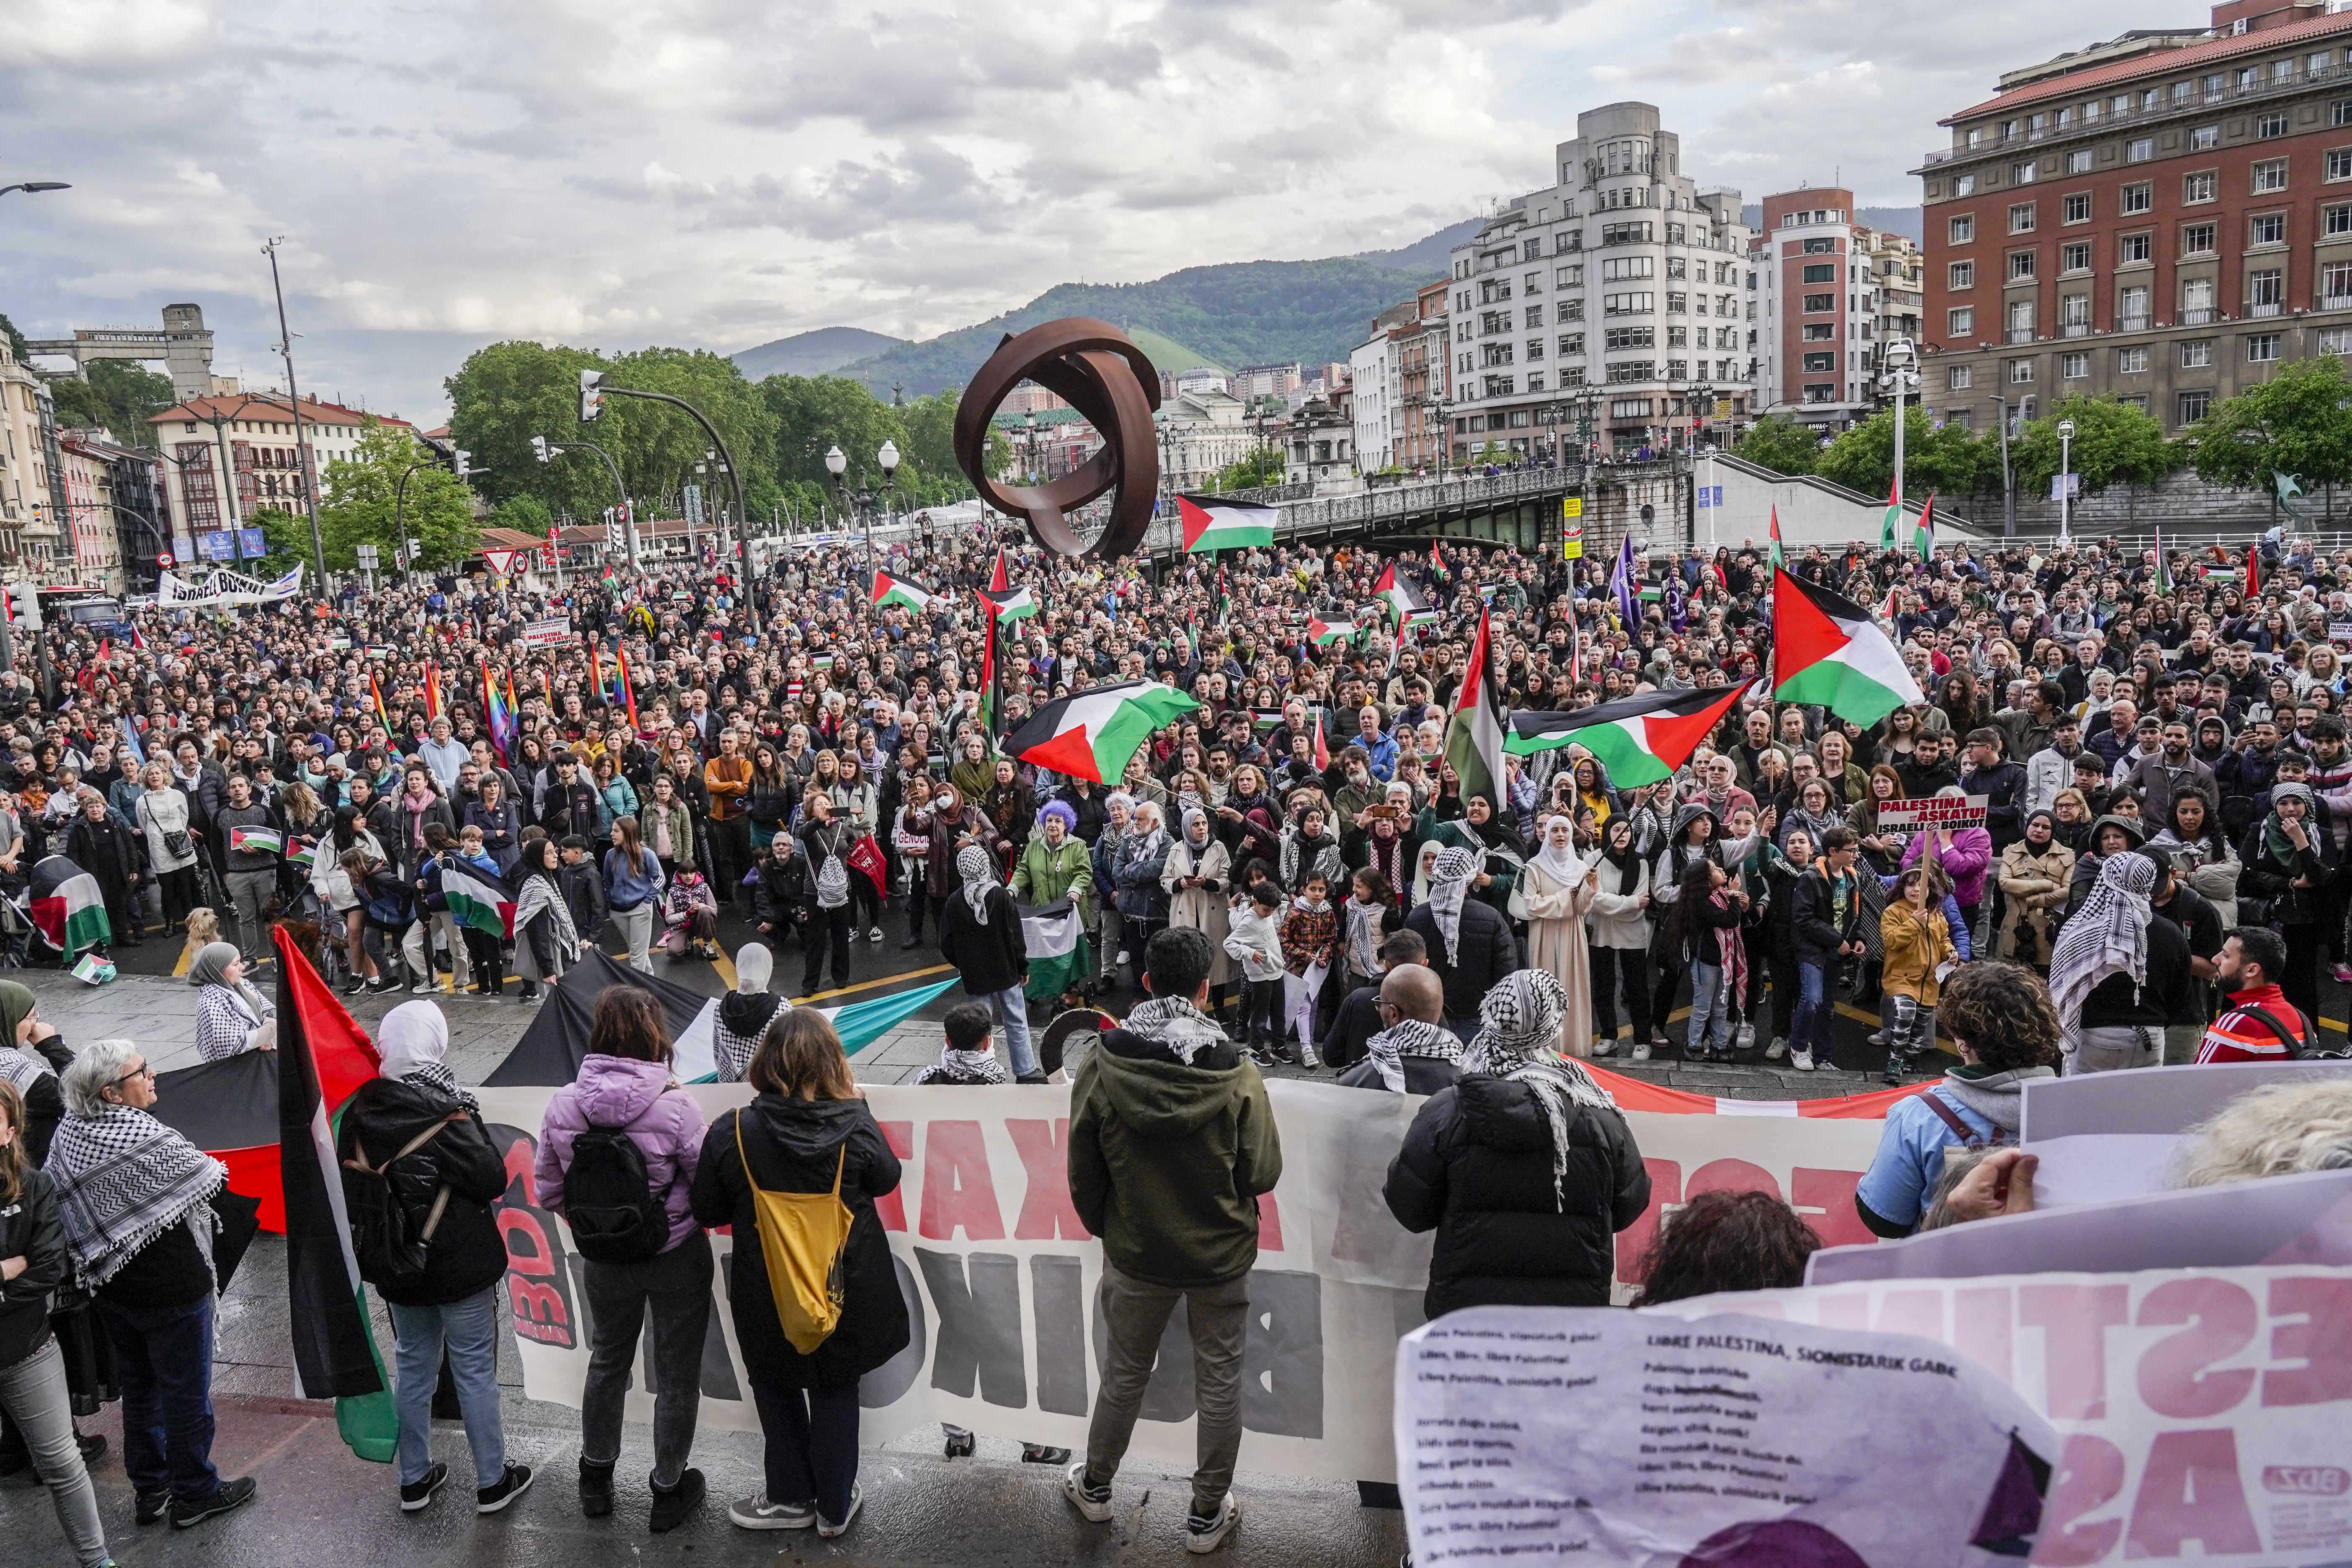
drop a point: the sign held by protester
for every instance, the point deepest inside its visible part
(1944, 812)
(552, 633)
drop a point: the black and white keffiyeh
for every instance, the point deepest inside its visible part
(20, 1067)
(979, 874)
(966, 1066)
(1410, 1037)
(1175, 1023)
(1449, 885)
(1519, 1039)
(2108, 935)
(123, 1178)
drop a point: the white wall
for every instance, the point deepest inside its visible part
(1812, 511)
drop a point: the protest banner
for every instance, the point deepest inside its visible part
(999, 1275)
(552, 633)
(1939, 811)
(2339, 632)
(2103, 1136)
(2203, 1412)
(1604, 1437)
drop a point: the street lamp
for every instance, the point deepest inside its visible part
(2065, 478)
(889, 458)
(594, 386)
(35, 186)
(1896, 359)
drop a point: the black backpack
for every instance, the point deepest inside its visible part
(389, 1249)
(616, 1216)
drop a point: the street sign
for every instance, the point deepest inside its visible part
(166, 560)
(1710, 496)
(2065, 487)
(368, 556)
(1572, 507)
(1571, 528)
(1939, 811)
(501, 562)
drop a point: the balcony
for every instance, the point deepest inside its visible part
(2131, 323)
(2201, 316)
(2019, 335)
(2335, 302)
(2267, 307)
(2074, 329)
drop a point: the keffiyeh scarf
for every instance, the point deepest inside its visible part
(971, 1067)
(2108, 935)
(1520, 1039)
(20, 1067)
(1410, 1037)
(1175, 1023)
(1449, 885)
(979, 874)
(123, 1178)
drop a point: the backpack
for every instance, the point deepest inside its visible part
(1968, 1136)
(802, 1239)
(832, 878)
(388, 1252)
(609, 1199)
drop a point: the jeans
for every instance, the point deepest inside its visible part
(1111, 931)
(636, 929)
(678, 1285)
(1262, 1016)
(1134, 1314)
(249, 893)
(1615, 971)
(1710, 1010)
(812, 1444)
(1012, 1010)
(1816, 1009)
(165, 1358)
(33, 1396)
(470, 1329)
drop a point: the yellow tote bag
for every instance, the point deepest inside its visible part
(802, 1238)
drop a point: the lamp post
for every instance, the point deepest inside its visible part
(294, 396)
(628, 518)
(2008, 480)
(2065, 480)
(1896, 358)
(591, 383)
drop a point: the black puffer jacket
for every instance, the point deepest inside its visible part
(30, 1229)
(468, 1255)
(1477, 1167)
(1486, 953)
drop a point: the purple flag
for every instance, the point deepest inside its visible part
(1622, 584)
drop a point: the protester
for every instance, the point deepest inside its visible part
(547, 944)
(634, 887)
(1722, 1241)
(2120, 974)
(1470, 944)
(2278, 1130)
(980, 933)
(745, 1013)
(2258, 1024)
(232, 1016)
(1413, 1053)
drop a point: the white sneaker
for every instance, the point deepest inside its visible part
(1641, 1050)
(424, 988)
(1122, 956)
(1307, 1058)
(1203, 1535)
(1776, 1050)
(1093, 1503)
(1801, 1060)
(827, 1528)
(1744, 1038)
(1604, 1047)
(874, 935)
(758, 1513)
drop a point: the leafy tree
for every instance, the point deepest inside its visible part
(1781, 444)
(1862, 458)
(436, 510)
(2299, 422)
(2113, 443)
(657, 445)
(524, 514)
(120, 396)
(506, 394)
(1261, 466)
(15, 338)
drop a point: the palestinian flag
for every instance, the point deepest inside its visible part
(1264, 719)
(1211, 523)
(1012, 604)
(1473, 736)
(1923, 536)
(1776, 539)
(256, 841)
(303, 856)
(68, 908)
(1323, 633)
(1055, 940)
(1640, 740)
(1092, 735)
(1827, 650)
(477, 899)
(890, 591)
(1893, 519)
(988, 683)
(1401, 600)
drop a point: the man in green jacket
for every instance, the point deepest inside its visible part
(1172, 1141)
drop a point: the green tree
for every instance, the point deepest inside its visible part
(120, 396)
(657, 445)
(15, 338)
(524, 514)
(1947, 460)
(1261, 466)
(2114, 444)
(2299, 422)
(506, 394)
(813, 414)
(436, 510)
(1781, 444)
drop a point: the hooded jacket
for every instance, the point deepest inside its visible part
(1167, 1159)
(466, 1255)
(637, 1096)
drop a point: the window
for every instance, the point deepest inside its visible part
(2339, 164)
(2021, 321)
(2336, 220)
(2020, 371)
(1533, 249)
(1816, 364)
(2269, 176)
(2021, 265)
(1571, 343)
(2075, 258)
(1966, 186)
(1570, 310)
(1962, 230)
(1535, 350)
(2197, 239)
(2139, 149)
(2075, 314)
(2133, 316)
(2197, 355)
(1818, 302)
(2196, 302)
(2023, 173)
(2136, 198)
(2204, 137)
(1630, 338)
(2074, 366)
(2021, 218)
(2335, 341)
(2079, 160)
(1618, 268)
(1535, 316)
(1630, 408)
(2193, 405)
(2078, 207)
(2262, 348)
(2340, 112)
(1821, 331)
(2197, 187)
(2269, 126)
(2131, 247)
(2265, 292)
(1820, 247)
(1963, 275)
(1633, 370)
(2131, 361)
(1624, 234)
(1678, 302)
(1961, 323)
(1628, 304)
(1569, 276)
(2266, 228)
(1825, 273)
(1959, 378)
(2336, 284)
(1679, 337)
(1679, 267)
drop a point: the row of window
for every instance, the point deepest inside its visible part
(2265, 295)
(2196, 240)
(1627, 372)
(2266, 177)
(1616, 339)
(2260, 347)
(2215, 87)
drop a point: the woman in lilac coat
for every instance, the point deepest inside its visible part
(624, 1084)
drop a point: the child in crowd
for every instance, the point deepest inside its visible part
(482, 947)
(691, 913)
(1310, 941)
(1255, 940)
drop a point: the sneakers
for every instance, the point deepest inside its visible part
(226, 1496)
(1093, 1503)
(1776, 1050)
(1744, 1037)
(828, 1529)
(2340, 972)
(1641, 1052)
(1603, 1048)
(425, 988)
(1801, 1060)
(1879, 1038)
(1033, 1454)
(758, 1513)
(595, 1489)
(673, 1505)
(1122, 959)
(1208, 1534)
(1307, 1058)
(875, 934)
(512, 1485)
(418, 1493)
(151, 1506)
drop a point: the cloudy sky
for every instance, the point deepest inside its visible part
(719, 173)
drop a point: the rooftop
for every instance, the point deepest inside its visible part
(2157, 62)
(268, 405)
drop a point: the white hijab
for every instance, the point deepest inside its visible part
(1558, 856)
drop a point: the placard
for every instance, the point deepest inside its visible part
(1937, 812)
(2340, 632)
(548, 632)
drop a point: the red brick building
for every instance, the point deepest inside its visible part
(2164, 217)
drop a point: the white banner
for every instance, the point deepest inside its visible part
(551, 633)
(1000, 1276)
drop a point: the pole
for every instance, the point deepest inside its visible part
(301, 442)
(399, 534)
(1894, 373)
(2008, 488)
(628, 515)
(734, 474)
(2066, 485)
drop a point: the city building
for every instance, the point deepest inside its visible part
(29, 499)
(1398, 379)
(1828, 292)
(1047, 443)
(1624, 277)
(2163, 218)
(251, 435)
(1202, 378)
(1253, 382)
(1318, 444)
(92, 555)
(1202, 434)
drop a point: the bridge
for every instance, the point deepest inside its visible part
(184, 344)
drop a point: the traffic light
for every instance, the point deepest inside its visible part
(465, 461)
(539, 447)
(592, 394)
(24, 605)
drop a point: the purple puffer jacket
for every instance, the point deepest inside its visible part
(663, 1121)
(1965, 862)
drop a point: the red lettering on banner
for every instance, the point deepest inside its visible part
(891, 1208)
(2322, 1343)
(957, 1190)
(2075, 1321)
(2090, 1477)
(1980, 1327)
(1046, 1214)
(1269, 1224)
(519, 1155)
(2173, 1376)
(1665, 1187)
(1730, 1176)
(1826, 1200)
(2189, 1490)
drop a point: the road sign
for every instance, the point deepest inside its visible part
(166, 560)
(1571, 528)
(368, 556)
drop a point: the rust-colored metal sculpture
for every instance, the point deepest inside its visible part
(1097, 370)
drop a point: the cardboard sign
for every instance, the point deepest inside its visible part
(549, 633)
(1917, 816)
(2339, 632)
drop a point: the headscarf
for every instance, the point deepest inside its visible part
(745, 1013)
(410, 1044)
(2274, 839)
(1196, 816)
(979, 874)
(210, 967)
(1449, 884)
(123, 1178)
(1495, 832)
(1410, 1037)
(15, 1006)
(1558, 859)
(1628, 861)
(2108, 935)
(1519, 1039)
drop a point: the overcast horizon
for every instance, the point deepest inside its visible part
(716, 173)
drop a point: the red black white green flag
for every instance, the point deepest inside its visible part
(1827, 650)
(1212, 522)
(1092, 735)
(1474, 735)
(1639, 740)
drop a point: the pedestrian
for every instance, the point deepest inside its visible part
(138, 1205)
(617, 1148)
(2120, 974)
(1618, 934)
(632, 890)
(1415, 1052)
(980, 933)
(248, 852)
(807, 1132)
(827, 843)
(1253, 940)
(1172, 1142)
(1560, 884)
(162, 820)
(486, 950)
(745, 1013)
(232, 1016)
(1919, 955)
(410, 1136)
(1142, 856)
(101, 845)
(1470, 943)
(1310, 944)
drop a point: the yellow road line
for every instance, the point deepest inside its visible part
(871, 984)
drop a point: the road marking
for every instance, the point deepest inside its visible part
(870, 985)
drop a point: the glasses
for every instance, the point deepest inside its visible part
(141, 1071)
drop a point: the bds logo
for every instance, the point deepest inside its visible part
(2307, 1481)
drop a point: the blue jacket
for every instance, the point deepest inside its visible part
(627, 886)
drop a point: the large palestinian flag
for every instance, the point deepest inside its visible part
(67, 907)
(1055, 941)
(890, 591)
(1473, 736)
(1827, 650)
(1323, 633)
(478, 899)
(1640, 740)
(1214, 524)
(1401, 599)
(1092, 735)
